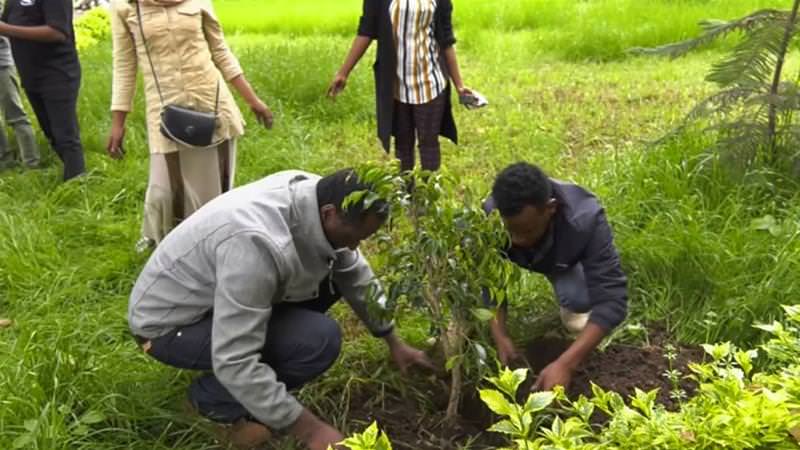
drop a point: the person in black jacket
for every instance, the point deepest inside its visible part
(416, 58)
(43, 45)
(560, 230)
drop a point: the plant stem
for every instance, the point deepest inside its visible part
(453, 341)
(776, 79)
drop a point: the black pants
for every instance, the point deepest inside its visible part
(57, 114)
(302, 343)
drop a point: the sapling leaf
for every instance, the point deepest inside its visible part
(30, 424)
(538, 401)
(496, 401)
(451, 362)
(482, 314)
(92, 417)
(23, 441)
(505, 427)
(718, 351)
(763, 223)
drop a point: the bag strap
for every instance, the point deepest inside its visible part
(147, 51)
(153, 69)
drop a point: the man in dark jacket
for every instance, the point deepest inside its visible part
(560, 230)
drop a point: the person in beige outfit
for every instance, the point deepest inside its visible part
(192, 64)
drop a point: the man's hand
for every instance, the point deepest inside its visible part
(314, 433)
(560, 371)
(555, 374)
(406, 356)
(506, 352)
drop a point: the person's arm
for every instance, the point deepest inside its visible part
(257, 106)
(506, 351)
(123, 81)
(367, 31)
(358, 285)
(246, 280)
(230, 68)
(39, 33)
(357, 50)
(559, 372)
(447, 40)
(353, 276)
(57, 25)
(608, 294)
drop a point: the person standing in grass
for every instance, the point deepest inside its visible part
(14, 115)
(560, 230)
(43, 45)
(191, 64)
(416, 56)
(240, 290)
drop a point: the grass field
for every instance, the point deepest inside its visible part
(564, 94)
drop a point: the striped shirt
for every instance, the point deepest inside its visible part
(419, 75)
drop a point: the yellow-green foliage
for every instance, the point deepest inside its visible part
(91, 28)
(736, 406)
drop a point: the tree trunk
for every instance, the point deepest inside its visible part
(776, 80)
(453, 342)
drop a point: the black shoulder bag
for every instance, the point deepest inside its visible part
(179, 124)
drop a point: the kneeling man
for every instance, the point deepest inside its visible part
(240, 290)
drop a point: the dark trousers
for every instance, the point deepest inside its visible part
(58, 117)
(423, 123)
(302, 343)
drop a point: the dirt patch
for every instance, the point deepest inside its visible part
(411, 425)
(622, 368)
(415, 420)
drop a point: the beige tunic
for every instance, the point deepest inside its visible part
(190, 58)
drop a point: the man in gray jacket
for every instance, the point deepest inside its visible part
(240, 289)
(560, 230)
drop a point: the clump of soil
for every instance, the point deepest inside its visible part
(413, 424)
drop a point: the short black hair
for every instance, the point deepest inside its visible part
(519, 185)
(336, 187)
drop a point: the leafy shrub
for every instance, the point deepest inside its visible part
(92, 28)
(735, 407)
(370, 439)
(450, 252)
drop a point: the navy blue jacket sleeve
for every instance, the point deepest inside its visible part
(58, 14)
(607, 284)
(444, 24)
(368, 23)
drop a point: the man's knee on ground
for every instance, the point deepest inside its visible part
(326, 341)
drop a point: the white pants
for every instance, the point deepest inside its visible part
(180, 183)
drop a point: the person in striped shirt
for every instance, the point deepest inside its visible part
(415, 61)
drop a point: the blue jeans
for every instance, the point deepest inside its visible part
(302, 343)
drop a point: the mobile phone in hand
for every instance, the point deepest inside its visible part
(473, 100)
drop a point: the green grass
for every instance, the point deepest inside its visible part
(575, 30)
(70, 372)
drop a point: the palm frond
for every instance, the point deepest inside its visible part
(716, 29)
(751, 65)
(740, 142)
